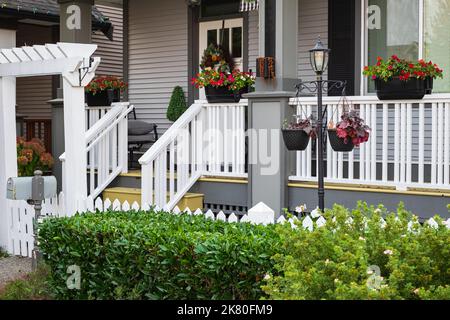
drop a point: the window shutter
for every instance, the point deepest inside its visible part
(342, 43)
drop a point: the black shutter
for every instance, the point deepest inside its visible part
(341, 38)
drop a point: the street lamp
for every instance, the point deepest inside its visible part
(319, 57)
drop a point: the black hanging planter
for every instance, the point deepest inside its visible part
(295, 140)
(338, 144)
(103, 98)
(223, 94)
(396, 89)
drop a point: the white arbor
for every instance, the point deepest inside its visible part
(73, 61)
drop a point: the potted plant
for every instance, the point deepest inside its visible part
(296, 134)
(31, 156)
(348, 133)
(177, 105)
(221, 81)
(397, 78)
(102, 91)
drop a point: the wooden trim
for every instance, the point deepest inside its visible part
(372, 189)
(41, 129)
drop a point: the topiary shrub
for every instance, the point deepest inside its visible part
(149, 255)
(177, 104)
(356, 255)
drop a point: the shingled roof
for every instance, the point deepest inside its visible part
(48, 10)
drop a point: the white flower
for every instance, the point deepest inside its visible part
(377, 210)
(336, 280)
(388, 252)
(267, 277)
(369, 271)
(300, 208)
(327, 261)
(416, 291)
(316, 213)
(362, 239)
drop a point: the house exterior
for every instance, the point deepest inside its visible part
(230, 156)
(37, 23)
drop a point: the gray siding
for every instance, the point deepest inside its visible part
(312, 21)
(111, 52)
(158, 45)
(253, 37)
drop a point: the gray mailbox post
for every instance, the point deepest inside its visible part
(34, 190)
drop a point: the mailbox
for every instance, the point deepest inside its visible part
(31, 188)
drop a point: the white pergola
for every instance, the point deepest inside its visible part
(72, 61)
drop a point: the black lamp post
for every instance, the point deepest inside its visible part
(319, 57)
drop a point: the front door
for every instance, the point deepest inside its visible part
(231, 37)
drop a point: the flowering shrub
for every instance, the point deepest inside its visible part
(103, 83)
(308, 125)
(31, 156)
(235, 81)
(358, 255)
(403, 69)
(351, 127)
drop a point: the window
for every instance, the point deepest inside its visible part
(411, 29)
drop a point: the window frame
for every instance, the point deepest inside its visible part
(363, 90)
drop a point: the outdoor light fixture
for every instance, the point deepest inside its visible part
(319, 57)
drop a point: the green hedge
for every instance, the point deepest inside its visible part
(341, 259)
(137, 255)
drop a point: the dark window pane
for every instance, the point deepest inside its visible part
(225, 38)
(212, 37)
(236, 49)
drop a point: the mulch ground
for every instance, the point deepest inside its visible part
(13, 268)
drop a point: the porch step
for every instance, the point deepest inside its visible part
(193, 201)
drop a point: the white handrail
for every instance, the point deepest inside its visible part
(106, 148)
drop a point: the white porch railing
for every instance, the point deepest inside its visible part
(409, 145)
(208, 139)
(106, 147)
(94, 114)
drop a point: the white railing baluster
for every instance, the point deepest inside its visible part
(446, 134)
(440, 149)
(433, 142)
(421, 143)
(397, 144)
(403, 144)
(373, 141)
(408, 143)
(362, 148)
(385, 142)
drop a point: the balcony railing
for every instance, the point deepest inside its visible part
(409, 145)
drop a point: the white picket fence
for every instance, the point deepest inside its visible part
(22, 215)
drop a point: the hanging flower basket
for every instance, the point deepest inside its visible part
(296, 135)
(295, 140)
(102, 91)
(339, 144)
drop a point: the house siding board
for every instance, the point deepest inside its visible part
(158, 46)
(253, 39)
(34, 92)
(111, 52)
(312, 22)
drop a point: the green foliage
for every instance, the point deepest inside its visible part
(148, 255)
(34, 286)
(177, 105)
(3, 253)
(337, 261)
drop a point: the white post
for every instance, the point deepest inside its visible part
(8, 158)
(75, 142)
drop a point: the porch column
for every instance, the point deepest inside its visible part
(75, 21)
(76, 27)
(75, 179)
(269, 106)
(8, 158)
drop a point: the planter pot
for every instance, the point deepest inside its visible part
(103, 98)
(338, 144)
(395, 89)
(295, 140)
(223, 94)
(428, 85)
